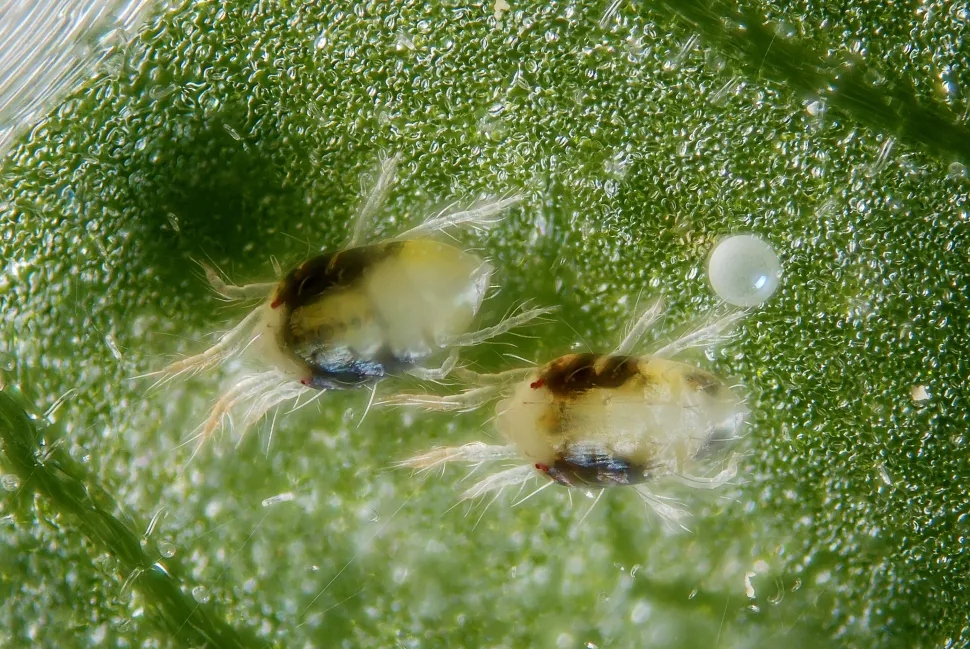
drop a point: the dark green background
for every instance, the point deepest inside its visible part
(240, 131)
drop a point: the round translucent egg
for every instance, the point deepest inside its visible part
(743, 270)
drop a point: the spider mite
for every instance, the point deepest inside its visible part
(346, 319)
(600, 420)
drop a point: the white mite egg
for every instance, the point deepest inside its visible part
(743, 270)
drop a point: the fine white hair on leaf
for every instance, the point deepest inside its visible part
(611, 10)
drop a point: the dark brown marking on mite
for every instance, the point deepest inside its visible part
(577, 373)
(310, 280)
(330, 366)
(701, 381)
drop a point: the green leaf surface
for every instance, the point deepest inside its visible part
(239, 132)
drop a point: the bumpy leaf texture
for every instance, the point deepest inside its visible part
(239, 132)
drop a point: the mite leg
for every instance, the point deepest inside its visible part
(436, 373)
(501, 480)
(248, 388)
(720, 435)
(233, 292)
(376, 198)
(721, 479)
(462, 402)
(273, 396)
(470, 376)
(473, 453)
(639, 328)
(244, 389)
(509, 323)
(490, 386)
(482, 215)
(667, 512)
(706, 334)
(227, 345)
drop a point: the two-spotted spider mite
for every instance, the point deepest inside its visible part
(601, 420)
(346, 319)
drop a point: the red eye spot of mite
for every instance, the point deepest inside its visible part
(542, 467)
(535, 385)
(306, 382)
(275, 303)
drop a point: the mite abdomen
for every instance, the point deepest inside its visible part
(615, 419)
(370, 309)
(427, 294)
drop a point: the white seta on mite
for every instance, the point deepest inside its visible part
(594, 421)
(346, 319)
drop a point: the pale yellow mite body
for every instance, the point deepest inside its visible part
(594, 420)
(409, 301)
(601, 420)
(346, 319)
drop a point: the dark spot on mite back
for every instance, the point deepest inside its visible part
(311, 279)
(578, 373)
(330, 366)
(596, 470)
(701, 381)
(329, 373)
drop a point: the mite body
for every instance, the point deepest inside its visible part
(601, 420)
(347, 319)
